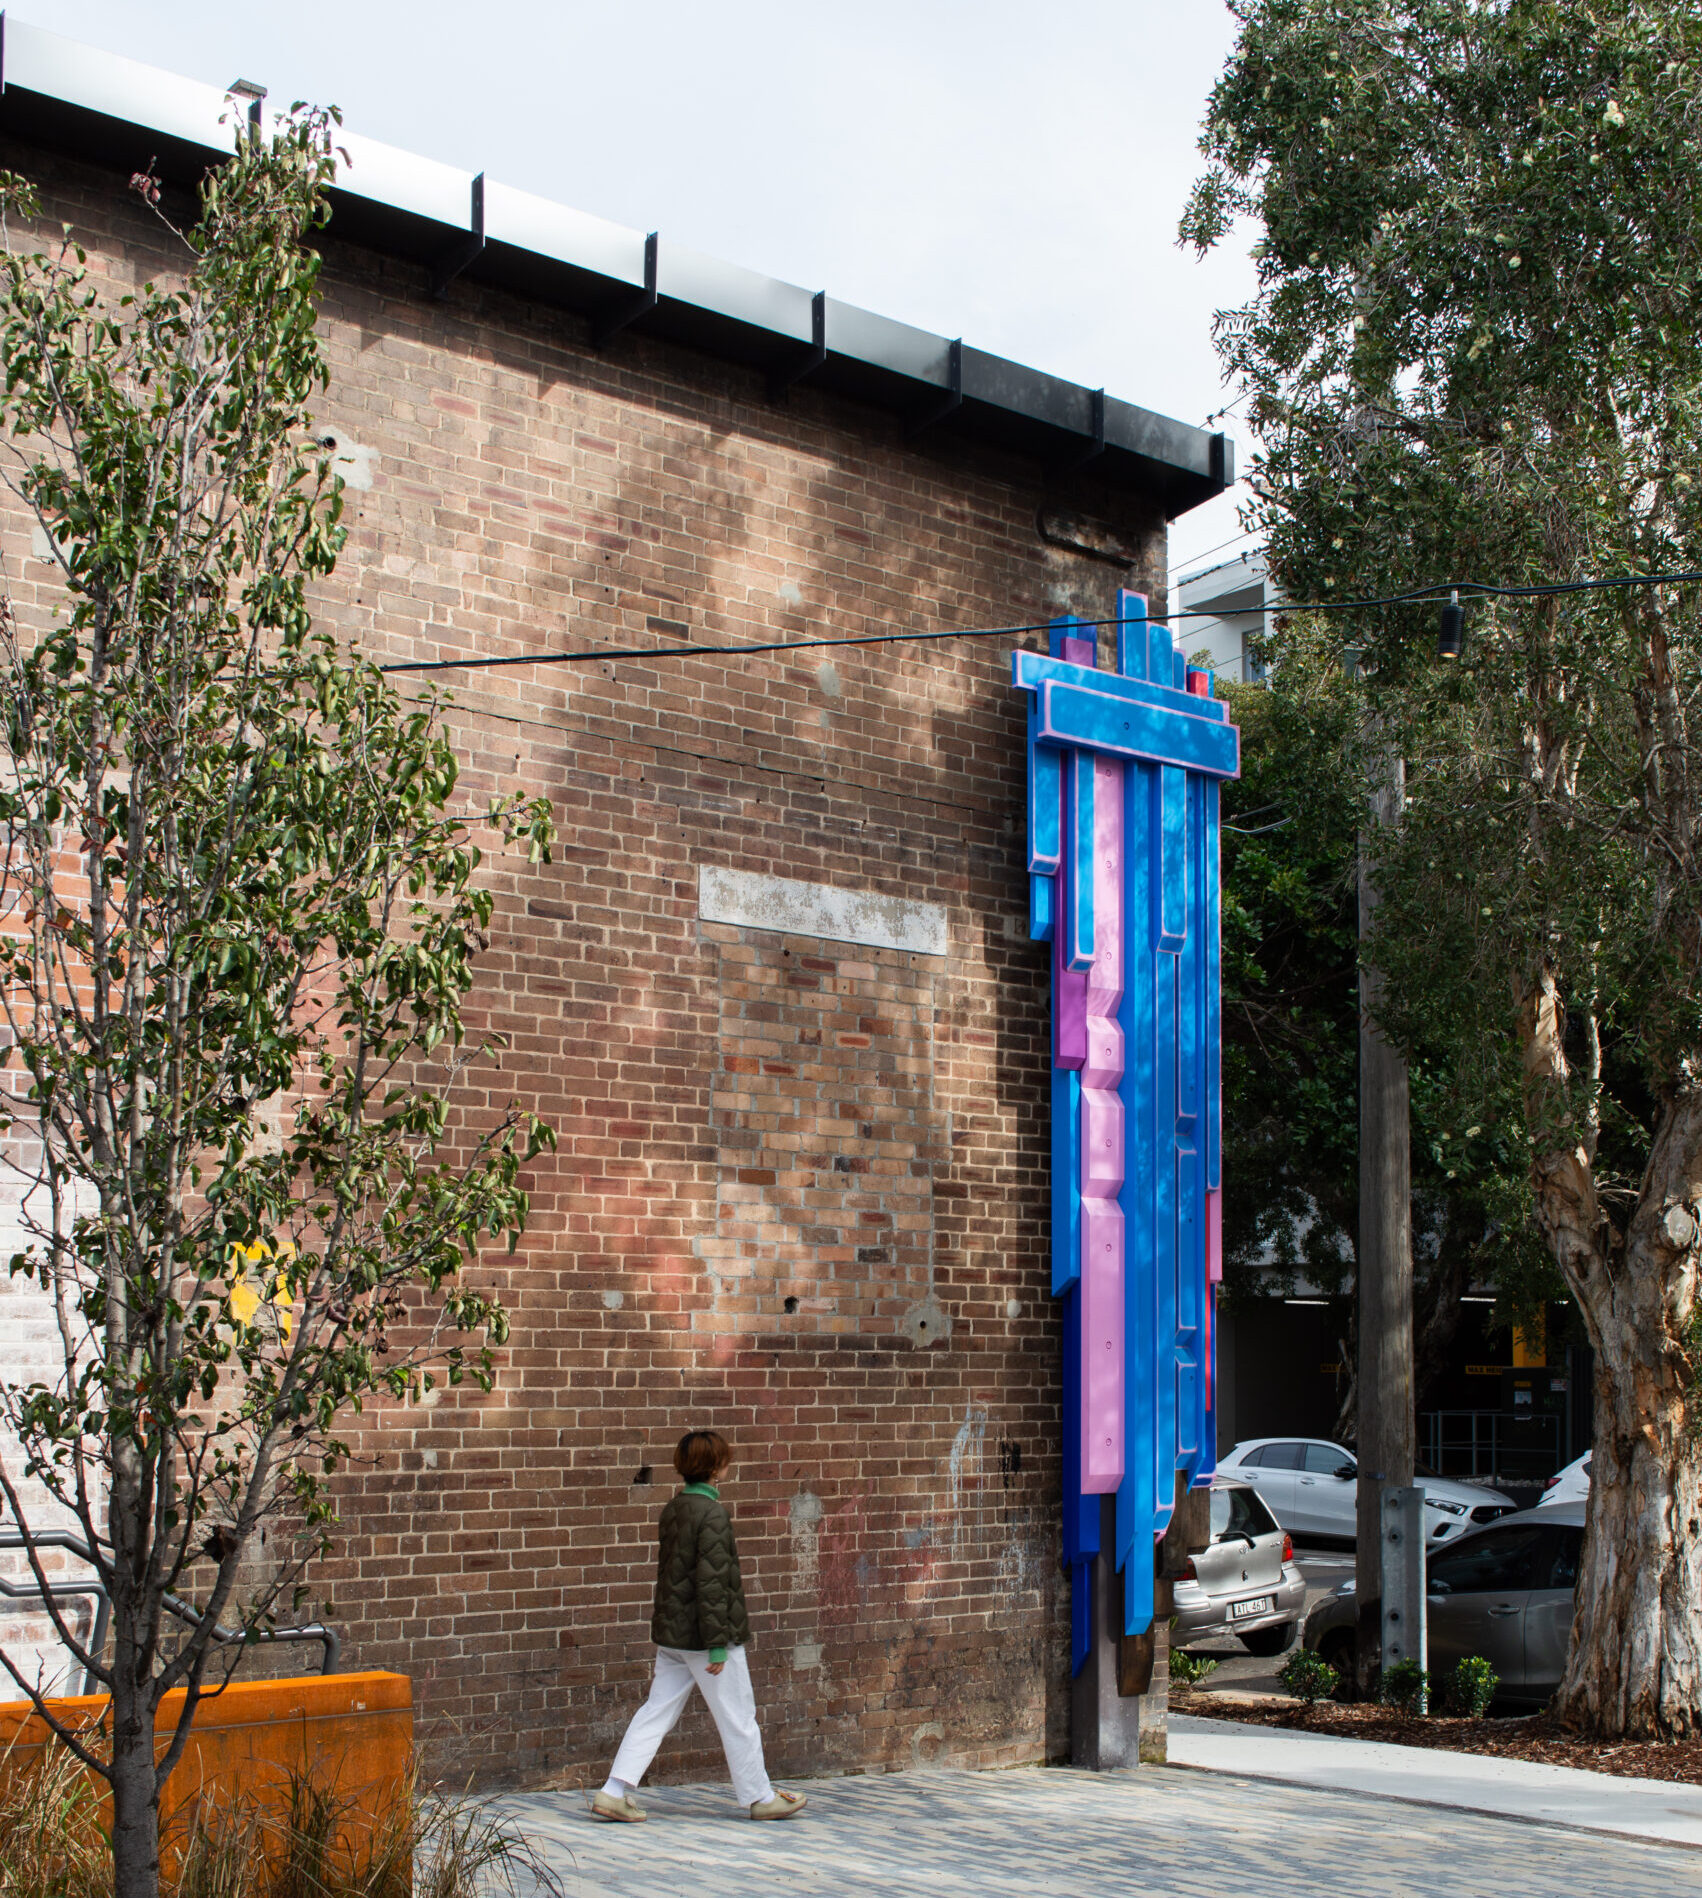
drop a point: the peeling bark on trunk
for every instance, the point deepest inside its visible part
(1635, 1664)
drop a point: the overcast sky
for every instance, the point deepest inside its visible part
(1003, 171)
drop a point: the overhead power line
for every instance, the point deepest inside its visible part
(1176, 566)
(592, 655)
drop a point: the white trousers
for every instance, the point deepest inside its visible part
(731, 1702)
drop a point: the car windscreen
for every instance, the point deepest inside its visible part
(1238, 1512)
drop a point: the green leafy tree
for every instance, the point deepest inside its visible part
(1291, 828)
(241, 917)
(1474, 353)
(1290, 972)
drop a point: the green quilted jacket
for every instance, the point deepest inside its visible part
(700, 1597)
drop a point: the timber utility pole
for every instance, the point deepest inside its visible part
(1387, 1427)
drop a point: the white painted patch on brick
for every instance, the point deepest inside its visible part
(349, 458)
(803, 1518)
(749, 901)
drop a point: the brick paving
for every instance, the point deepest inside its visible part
(1033, 1832)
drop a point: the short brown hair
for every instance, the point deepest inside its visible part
(701, 1453)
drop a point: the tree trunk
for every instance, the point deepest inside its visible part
(135, 1806)
(1635, 1665)
(1634, 1669)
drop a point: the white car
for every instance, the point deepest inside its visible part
(1311, 1486)
(1572, 1485)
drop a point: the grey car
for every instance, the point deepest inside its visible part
(1245, 1582)
(1504, 1592)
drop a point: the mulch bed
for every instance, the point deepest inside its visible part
(1539, 1737)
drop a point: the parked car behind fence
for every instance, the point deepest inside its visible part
(1311, 1486)
(1505, 1592)
(1570, 1485)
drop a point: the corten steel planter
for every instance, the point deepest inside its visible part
(349, 1734)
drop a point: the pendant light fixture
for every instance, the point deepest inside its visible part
(1451, 634)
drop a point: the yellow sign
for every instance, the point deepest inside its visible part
(1486, 1370)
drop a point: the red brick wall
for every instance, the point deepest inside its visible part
(744, 1118)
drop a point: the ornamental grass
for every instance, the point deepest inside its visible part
(313, 1844)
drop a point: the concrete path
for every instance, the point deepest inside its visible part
(1650, 1809)
(1053, 1833)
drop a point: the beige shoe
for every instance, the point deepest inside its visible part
(783, 1805)
(625, 1811)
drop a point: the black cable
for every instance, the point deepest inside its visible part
(593, 653)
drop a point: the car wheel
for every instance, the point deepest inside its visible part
(1267, 1641)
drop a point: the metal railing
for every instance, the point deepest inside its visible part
(31, 1590)
(1489, 1443)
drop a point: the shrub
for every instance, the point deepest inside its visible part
(1307, 1676)
(1188, 1670)
(1471, 1687)
(1406, 1687)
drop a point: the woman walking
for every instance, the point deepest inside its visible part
(701, 1629)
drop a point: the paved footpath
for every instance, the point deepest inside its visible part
(1036, 1832)
(1651, 1809)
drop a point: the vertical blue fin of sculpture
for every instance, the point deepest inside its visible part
(1167, 743)
(1045, 808)
(1163, 1371)
(1081, 1513)
(1133, 632)
(1078, 842)
(1170, 852)
(1214, 993)
(1066, 1171)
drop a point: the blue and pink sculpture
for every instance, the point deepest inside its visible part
(1123, 773)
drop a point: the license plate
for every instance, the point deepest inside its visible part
(1241, 1610)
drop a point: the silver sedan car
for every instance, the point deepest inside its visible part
(1504, 1593)
(1312, 1486)
(1245, 1583)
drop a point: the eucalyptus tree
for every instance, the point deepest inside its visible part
(1291, 826)
(241, 910)
(1473, 353)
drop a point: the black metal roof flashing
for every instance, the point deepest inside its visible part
(98, 107)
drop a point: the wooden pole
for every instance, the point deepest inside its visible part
(1387, 1426)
